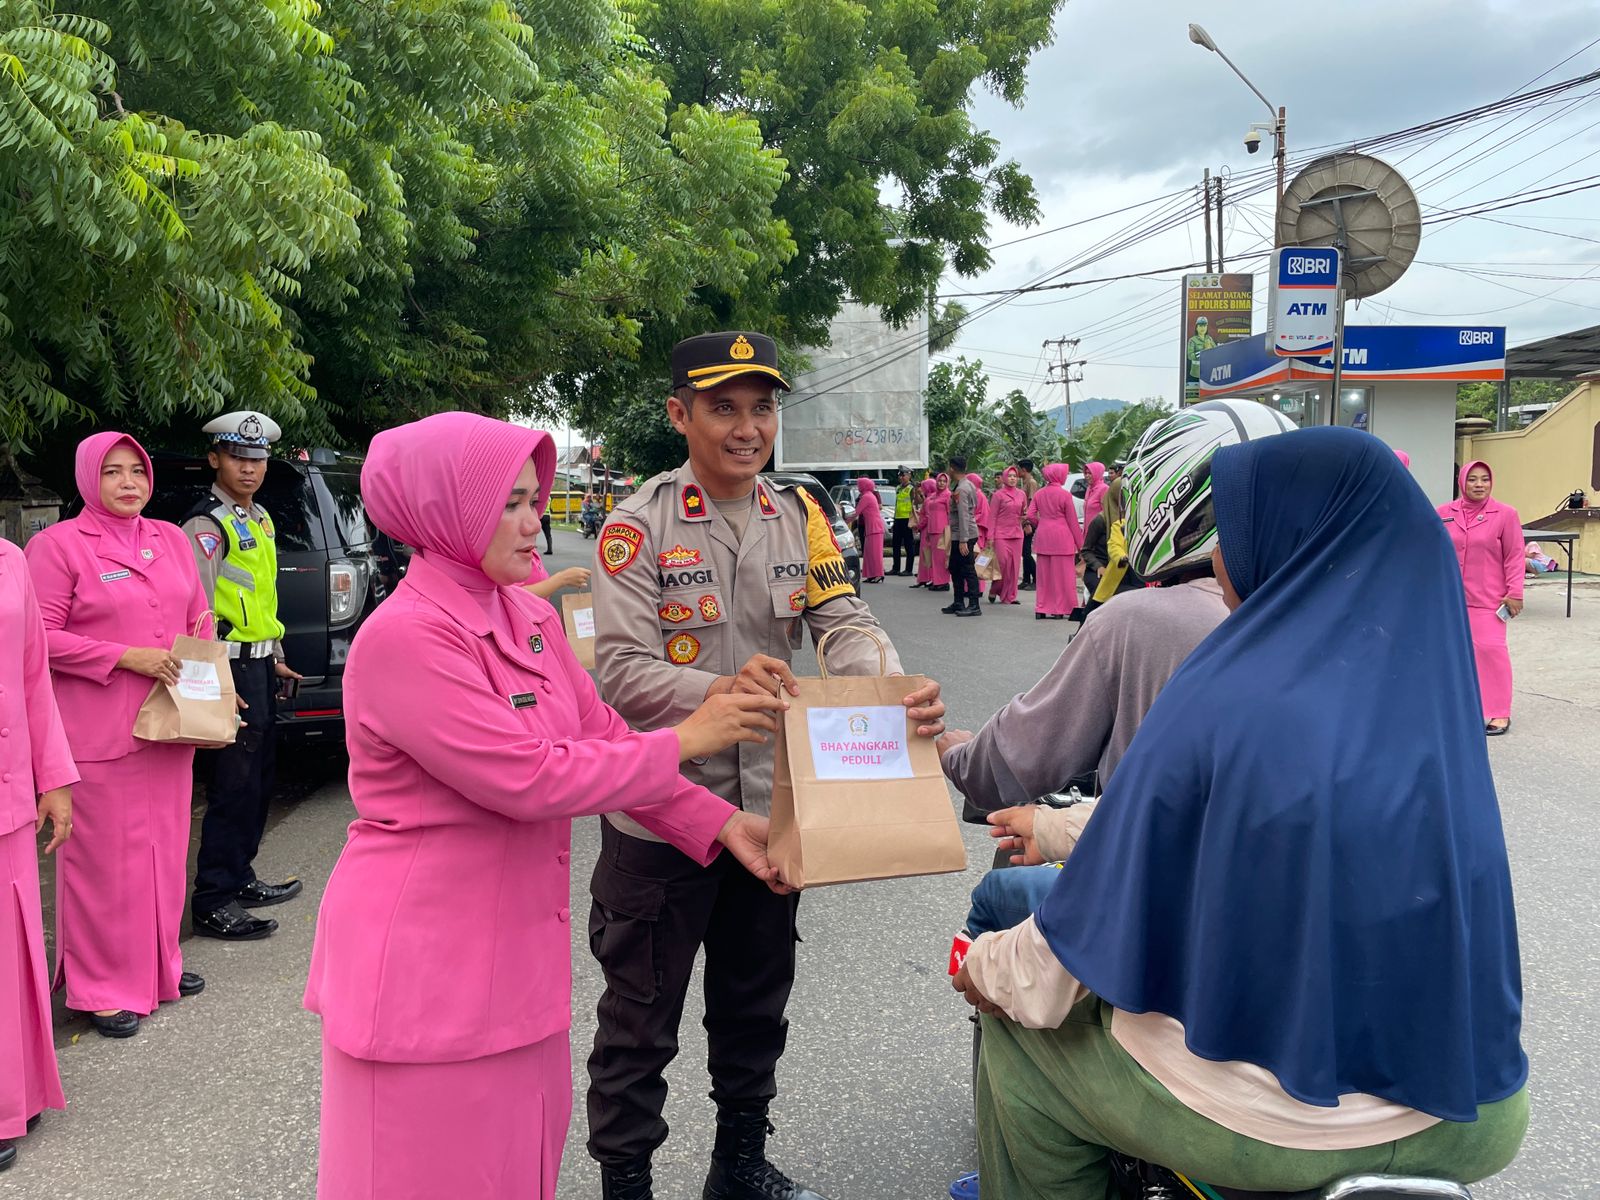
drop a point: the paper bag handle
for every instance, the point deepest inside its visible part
(875, 634)
(200, 621)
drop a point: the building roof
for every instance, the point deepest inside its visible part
(1565, 356)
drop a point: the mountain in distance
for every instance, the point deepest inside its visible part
(1082, 411)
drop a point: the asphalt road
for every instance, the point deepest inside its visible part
(217, 1096)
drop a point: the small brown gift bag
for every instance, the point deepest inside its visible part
(986, 563)
(577, 611)
(856, 794)
(201, 709)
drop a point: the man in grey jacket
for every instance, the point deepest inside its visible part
(963, 541)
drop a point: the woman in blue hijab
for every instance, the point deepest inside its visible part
(1284, 949)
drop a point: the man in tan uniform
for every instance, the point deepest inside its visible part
(707, 579)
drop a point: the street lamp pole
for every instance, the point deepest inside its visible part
(1200, 37)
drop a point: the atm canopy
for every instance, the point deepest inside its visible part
(1455, 353)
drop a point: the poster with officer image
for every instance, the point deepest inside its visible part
(1216, 310)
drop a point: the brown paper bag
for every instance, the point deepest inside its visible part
(870, 802)
(577, 611)
(201, 710)
(986, 563)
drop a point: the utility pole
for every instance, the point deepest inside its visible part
(1209, 260)
(1221, 266)
(1061, 370)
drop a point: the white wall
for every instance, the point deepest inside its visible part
(1420, 418)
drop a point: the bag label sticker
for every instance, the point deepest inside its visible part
(583, 622)
(199, 681)
(859, 743)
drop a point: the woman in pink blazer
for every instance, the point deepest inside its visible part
(442, 965)
(869, 528)
(36, 778)
(1006, 511)
(934, 573)
(115, 590)
(1489, 546)
(1094, 499)
(1057, 538)
(985, 525)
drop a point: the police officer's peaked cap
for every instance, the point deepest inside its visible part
(713, 358)
(243, 434)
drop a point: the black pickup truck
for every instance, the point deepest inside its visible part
(333, 568)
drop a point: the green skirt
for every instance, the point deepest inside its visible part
(1053, 1102)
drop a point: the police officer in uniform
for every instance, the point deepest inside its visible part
(707, 579)
(904, 539)
(233, 542)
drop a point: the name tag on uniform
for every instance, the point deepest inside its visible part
(524, 700)
(113, 576)
(242, 528)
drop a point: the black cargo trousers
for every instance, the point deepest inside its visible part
(241, 787)
(653, 908)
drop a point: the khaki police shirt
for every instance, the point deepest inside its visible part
(680, 599)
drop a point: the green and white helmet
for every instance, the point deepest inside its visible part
(1170, 524)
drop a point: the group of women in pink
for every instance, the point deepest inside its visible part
(1004, 520)
(87, 619)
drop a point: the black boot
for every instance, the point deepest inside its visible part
(739, 1166)
(628, 1182)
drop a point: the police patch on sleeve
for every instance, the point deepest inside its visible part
(619, 546)
(826, 576)
(208, 544)
(683, 649)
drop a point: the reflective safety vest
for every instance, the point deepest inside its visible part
(247, 582)
(902, 502)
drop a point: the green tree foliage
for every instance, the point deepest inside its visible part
(890, 183)
(1111, 435)
(1483, 399)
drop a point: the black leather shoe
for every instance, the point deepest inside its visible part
(190, 984)
(122, 1024)
(8, 1155)
(973, 611)
(953, 609)
(629, 1182)
(739, 1166)
(33, 1120)
(232, 924)
(257, 894)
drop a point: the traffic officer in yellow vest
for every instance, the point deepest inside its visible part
(234, 546)
(707, 579)
(903, 537)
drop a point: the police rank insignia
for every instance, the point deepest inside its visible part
(678, 556)
(709, 608)
(676, 613)
(683, 649)
(797, 600)
(536, 643)
(768, 508)
(619, 544)
(694, 503)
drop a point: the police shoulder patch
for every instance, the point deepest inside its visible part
(208, 543)
(619, 546)
(683, 649)
(675, 613)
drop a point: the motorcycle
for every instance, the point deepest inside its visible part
(589, 522)
(1139, 1180)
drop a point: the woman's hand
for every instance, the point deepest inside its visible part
(1513, 605)
(56, 807)
(567, 577)
(1013, 829)
(969, 992)
(726, 720)
(745, 836)
(153, 662)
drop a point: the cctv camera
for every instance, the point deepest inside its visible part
(1252, 141)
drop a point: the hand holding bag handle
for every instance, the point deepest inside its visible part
(875, 634)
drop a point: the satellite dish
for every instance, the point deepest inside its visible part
(1361, 205)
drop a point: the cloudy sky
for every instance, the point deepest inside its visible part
(1123, 108)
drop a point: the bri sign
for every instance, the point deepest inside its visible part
(1303, 309)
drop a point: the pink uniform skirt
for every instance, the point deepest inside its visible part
(29, 1081)
(1056, 585)
(120, 881)
(1494, 662)
(490, 1128)
(1008, 556)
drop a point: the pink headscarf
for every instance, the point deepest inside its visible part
(929, 487)
(91, 457)
(1469, 509)
(943, 478)
(865, 485)
(1056, 473)
(1405, 459)
(440, 484)
(1009, 477)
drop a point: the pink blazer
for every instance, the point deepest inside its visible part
(1490, 549)
(34, 755)
(1005, 511)
(98, 599)
(445, 934)
(869, 514)
(1055, 521)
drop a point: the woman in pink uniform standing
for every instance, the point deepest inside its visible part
(36, 778)
(1489, 546)
(1094, 498)
(442, 965)
(1006, 510)
(869, 528)
(115, 589)
(1057, 538)
(935, 575)
(985, 520)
